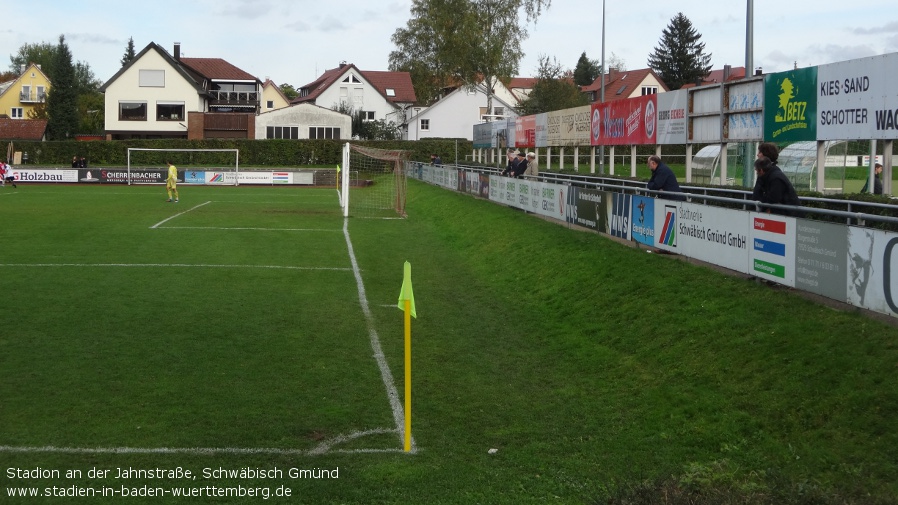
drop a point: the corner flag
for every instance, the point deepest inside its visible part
(406, 292)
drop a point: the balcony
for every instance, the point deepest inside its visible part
(33, 97)
(233, 98)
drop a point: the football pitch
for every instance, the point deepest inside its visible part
(245, 345)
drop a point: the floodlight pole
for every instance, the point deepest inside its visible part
(747, 158)
(602, 92)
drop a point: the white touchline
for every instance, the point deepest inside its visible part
(166, 265)
(323, 447)
(178, 214)
(251, 229)
(385, 374)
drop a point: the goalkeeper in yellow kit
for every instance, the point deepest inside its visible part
(171, 183)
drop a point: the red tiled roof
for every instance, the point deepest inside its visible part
(522, 83)
(620, 84)
(716, 76)
(399, 82)
(22, 129)
(217, 68)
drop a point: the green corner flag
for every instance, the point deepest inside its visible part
(406, 292)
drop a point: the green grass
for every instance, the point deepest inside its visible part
(602, 374)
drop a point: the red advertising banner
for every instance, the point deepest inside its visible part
(624, 122)
(525, 131)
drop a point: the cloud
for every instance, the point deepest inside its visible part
(874, 30)
(94, 38)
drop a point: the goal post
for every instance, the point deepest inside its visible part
(212, 166)
(373, 182)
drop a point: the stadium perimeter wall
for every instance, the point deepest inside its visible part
(849, 264)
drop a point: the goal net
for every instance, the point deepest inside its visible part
(373, 183)
(195, 166)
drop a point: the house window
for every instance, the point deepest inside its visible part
(41, 94)
(499, 111)
(649, 90)
(170, 111)
(269, 104)
(152, 79)
(16, 113)
(367, 115)
(391, 92)
(26, 94)
(425, 125)
(132, 111)
(324, 132)
(282, 132)
(352, 78)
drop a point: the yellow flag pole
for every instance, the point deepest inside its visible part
(407, 305)
(408, 375)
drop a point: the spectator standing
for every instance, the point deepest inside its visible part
(435, 160)
(532, 171)
(877, 180)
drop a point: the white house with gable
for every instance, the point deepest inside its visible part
(454, 115)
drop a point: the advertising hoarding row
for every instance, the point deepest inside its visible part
(849, 100)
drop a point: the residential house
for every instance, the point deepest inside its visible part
(303, 121)
(19, 97)
(452, 115)
(272, 96)
(162, 95)
(521, 87)
(725, 74)
(622, 84)
(379, 95)
(23, 129)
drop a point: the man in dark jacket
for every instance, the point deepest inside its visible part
(663, 179)
(774, 187)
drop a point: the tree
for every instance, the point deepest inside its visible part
(451, 42)
(289, 91)
(616, 62)
(586, 71)
(62, 100)
(554, 90)
(679, 57)
(363, 129)
(129, 52)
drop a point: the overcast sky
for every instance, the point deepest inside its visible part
(294, 41)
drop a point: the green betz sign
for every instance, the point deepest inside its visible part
(790, 105)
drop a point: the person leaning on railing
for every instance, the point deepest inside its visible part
(774, 187)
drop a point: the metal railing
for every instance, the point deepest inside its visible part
(850, 212)
(33, 96)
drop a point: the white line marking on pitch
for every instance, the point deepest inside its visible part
(386, 375)
(323, 447)
(236, 228)
(167, 265)
(178, 214)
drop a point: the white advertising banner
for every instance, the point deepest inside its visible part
(214, 178)
(254, 178)
(672, 117)
(772, 251)
(872, 254)
(856, 99)
(542, 129)
(745, 117)
(28, 175)
(710, 234)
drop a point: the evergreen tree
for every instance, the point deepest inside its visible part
(586, 71)
(62, 100)
(129, 52)
(679, 57)
(554, 90)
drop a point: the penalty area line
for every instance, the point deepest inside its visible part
(157, 225)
